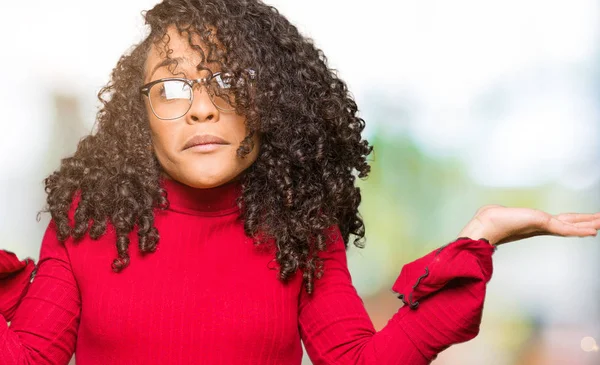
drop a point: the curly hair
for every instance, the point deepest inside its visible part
(311, 150)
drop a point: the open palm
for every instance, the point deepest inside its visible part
(499, 224)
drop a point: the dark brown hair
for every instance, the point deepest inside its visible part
(303, 180)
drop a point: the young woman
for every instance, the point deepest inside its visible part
(220, 184)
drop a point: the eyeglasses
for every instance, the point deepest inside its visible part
(171, 98)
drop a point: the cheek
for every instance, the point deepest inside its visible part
(253, 156)
(163, 140)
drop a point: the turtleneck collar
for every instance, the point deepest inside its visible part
(220, 200)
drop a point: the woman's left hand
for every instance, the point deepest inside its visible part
(501, 225)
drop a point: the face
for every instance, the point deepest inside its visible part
(208, 164)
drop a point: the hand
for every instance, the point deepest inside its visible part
(15, 276)
(501, 225)
(10, 264)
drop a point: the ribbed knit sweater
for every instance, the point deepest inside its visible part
(209, 295)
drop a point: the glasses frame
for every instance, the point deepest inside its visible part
(145, 90)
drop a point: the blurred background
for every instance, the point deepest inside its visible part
(467, 103)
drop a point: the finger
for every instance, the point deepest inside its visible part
(593, 224)
(577, 217)
(560, 228)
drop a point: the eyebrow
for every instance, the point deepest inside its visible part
(166, 62)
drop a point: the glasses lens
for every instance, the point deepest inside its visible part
(170, 99)
(222, 91)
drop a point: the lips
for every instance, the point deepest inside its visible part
(203, 139)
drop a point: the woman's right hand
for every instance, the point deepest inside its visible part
(10, 264)
(15, 277)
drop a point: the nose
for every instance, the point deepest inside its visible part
(202, 108)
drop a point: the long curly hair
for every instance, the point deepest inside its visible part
(311, 150)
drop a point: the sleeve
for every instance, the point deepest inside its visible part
(443, 293)
(15, 276)
(44, 327)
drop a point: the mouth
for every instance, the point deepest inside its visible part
(205, 143)
(208, 147)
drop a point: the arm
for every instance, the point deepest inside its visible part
(44, 327)
(448, 285)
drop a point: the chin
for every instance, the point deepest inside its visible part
(205, 179)
(204, 182)
(203, 173)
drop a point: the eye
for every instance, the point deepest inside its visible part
(170, 90)
(225, 81)
(177, 89)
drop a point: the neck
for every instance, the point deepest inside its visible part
(219, 200)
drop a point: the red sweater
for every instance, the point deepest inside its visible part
(209, 296)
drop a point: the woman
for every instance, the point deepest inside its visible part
(227, 152)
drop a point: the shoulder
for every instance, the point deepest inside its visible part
(334, 241)
(52, 244)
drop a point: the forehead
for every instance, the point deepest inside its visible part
(177, 46)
